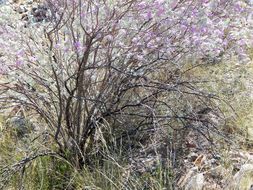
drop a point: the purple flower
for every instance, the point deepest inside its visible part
(149, 15)
(19, 63)
(142, 5)
(160, 11)
(77, 45)
(20, 53)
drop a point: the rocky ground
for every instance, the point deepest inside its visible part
(29, 11)
(232, 171)
(203, 169)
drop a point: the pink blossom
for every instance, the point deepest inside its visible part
(19, 63)
(149, 15)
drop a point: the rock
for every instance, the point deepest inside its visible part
(145, 164)
(2, 1)
(187, 177)
(39, 13)
(29, 2)
(32, 11)
(21, 9)
(212, 186)
(21, 125)
(196, 182)
(192, 156)
(219, 173)
(243, 179)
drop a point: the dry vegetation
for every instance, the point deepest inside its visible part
(68, 122)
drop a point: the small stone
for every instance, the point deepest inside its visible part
(21, 9)
(243, 179)
(29, 2)
(196, 182)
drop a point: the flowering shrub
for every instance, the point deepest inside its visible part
(114, 67)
